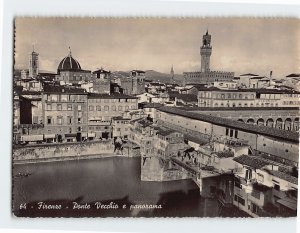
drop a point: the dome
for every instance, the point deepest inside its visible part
(69, 63)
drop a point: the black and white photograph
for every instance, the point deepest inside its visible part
(155, 117)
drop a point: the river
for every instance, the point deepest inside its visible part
(112, 181)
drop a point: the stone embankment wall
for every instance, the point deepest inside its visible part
(62, 150)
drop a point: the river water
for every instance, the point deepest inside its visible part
(111, 181)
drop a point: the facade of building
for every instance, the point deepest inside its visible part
(134, 84)
(101, 81)
(65, 114)
(215, 97)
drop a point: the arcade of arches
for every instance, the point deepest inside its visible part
(290, 124)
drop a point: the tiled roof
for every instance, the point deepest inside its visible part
(293, 75)
(111, 96)
(101, 71)
(263, 130)
(248, 74)
(225, 154)
(150, 105)
(63, 89)
(284, 176)
(187, 97)
(238, 108)
(165, 131)
(251, 161)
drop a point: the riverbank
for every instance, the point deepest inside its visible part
(71, 158)
(64, 152)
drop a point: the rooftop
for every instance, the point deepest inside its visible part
(284, 176)
(293, 75)
(248, 74)
(63, 89)
(263, 130)
(110, 96)
(251, 161)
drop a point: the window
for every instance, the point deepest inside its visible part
(236, 134)
(106, 108)
(69, 107)
(79, 120)
(98, 108)
(79, 114)
(49, 120)
(227, 131)
(126, 108)
(49, 107)
(59, 107)
(231, 133)
(239, 200)
(91, 108)
(113, 108)
(59, 120)
(277, 187)
(69, 120)
(79, 107)
(120, 108)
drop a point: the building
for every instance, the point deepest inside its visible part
(103, 108)
(205, 75)
(101, 81)
(280, 145)
(261, 188)
(65, 114)
(121, 127)
(33, 64)
(261, 97)
(134, 84)
(69, 71)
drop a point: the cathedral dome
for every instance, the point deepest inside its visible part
(69, 63)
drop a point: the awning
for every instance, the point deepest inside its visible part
(46, 136)
(91, 135)
(32, 138)
(70, 135)
(288, 202)
(83, 134)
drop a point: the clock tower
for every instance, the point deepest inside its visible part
(205, 52)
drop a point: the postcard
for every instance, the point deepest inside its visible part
(155, 117)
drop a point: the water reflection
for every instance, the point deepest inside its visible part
(105, 180)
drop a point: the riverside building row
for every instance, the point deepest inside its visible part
(66, 114)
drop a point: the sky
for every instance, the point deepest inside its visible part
(240, 45)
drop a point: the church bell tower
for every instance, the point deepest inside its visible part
(205, 52)
(33, 64)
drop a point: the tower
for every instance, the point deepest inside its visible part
(172, 74)
(205, 52)
(33, 64)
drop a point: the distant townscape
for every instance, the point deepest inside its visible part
(235, 135)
